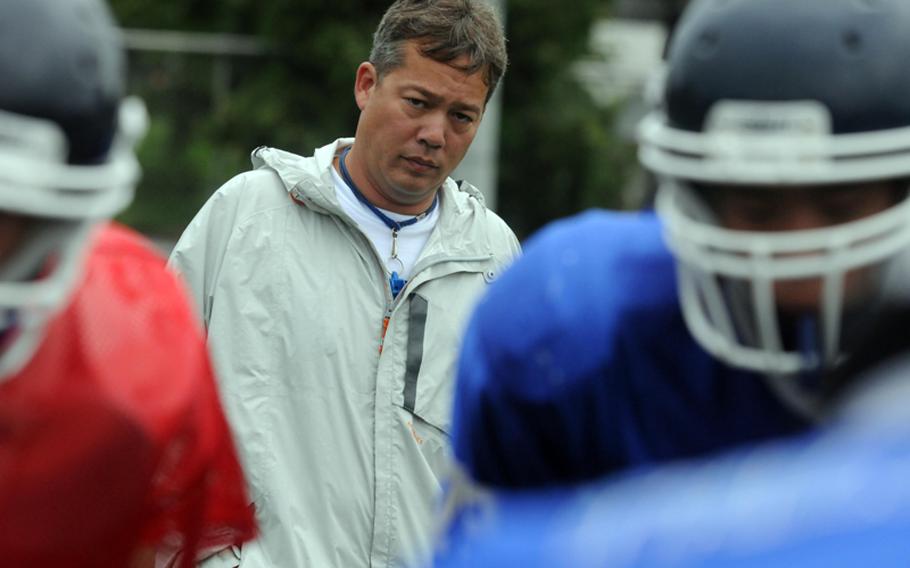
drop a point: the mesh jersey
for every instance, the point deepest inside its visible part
(833, 499)
(112, 436)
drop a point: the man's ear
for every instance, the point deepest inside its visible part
(366, 79)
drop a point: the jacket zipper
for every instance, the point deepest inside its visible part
(385, 326)
(418, 268)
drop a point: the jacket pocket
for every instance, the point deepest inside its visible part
(424, 398)
(436, 316)
(429, 354)
(414, 349)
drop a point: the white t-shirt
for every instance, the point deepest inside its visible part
(411, 239)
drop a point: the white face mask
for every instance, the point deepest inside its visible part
(68, 201)
(727, 277)
(727, 280)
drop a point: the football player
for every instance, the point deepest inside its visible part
(626, 341)
(623, 340)
(112, 440)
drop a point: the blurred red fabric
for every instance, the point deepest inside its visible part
(112, 437)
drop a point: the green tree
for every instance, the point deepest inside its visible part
(559, 154)
(297, 97)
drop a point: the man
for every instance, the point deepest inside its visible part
(112, 440)
(334, 289)
(783, 198)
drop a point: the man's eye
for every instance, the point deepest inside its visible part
(464, 118)
(758, 213)
(844, 207)
(841, 212)
(749, 214)
(416, 103)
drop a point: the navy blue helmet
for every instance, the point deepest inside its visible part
(66, 153)
(777, 94)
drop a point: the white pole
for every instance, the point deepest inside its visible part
(480, 164)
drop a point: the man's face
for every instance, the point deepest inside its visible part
(795, 209)
(416, 125)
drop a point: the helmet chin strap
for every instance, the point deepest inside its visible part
(896, 275)
(807, 403)
(800, 391)
(806, 392)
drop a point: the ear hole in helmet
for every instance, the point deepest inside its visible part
(852, 41)
(707, 44)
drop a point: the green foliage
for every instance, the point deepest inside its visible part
(298, 97)
(558, 154)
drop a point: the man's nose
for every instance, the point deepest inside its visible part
(432, 133)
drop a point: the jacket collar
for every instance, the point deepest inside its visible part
(462, 225)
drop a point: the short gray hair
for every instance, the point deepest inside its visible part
(444, 30)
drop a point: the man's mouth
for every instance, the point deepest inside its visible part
(421, 163)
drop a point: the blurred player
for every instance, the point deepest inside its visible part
(112, 441)
(783, 164)
(783, 167)
(835, 497)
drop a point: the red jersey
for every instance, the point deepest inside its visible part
(112, 437)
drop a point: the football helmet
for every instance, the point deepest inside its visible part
(781, 95)
(66, 157)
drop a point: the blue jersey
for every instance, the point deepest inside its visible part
(577, 363)
(836, 499)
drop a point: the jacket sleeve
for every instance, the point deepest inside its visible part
(511, 246)
(199, 254)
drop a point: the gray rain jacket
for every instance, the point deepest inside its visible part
(343, 446)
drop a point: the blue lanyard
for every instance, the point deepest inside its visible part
(396, 283)
(390, 223)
